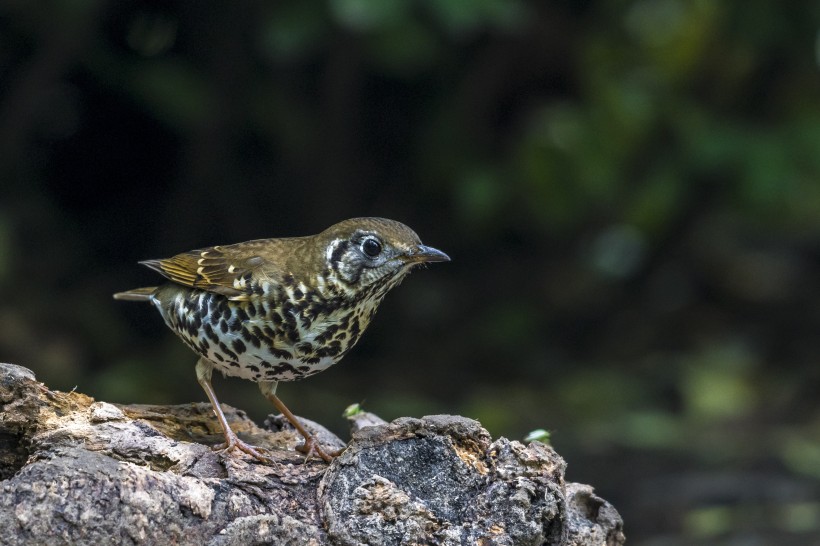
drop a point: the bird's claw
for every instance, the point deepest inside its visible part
(232, 442)
(311, 447)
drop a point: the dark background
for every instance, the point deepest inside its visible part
(629, 190)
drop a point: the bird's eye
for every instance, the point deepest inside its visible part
(371, 248)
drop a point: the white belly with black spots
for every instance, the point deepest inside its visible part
(244, 347)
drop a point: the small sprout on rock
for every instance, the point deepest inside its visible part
(352, 409)
(538, 435)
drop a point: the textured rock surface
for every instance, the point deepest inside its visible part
(76, 471)
(440, 480)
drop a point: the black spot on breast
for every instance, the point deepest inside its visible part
(327, 334)
(223, 325)
(304, 348)
(224, 348)
(235, 325)
(330, 350)
(289, 324)
(234, 364)
(209, 331)
(280, 353)
(311, 313)
(284, 367)
(252, 309)
(241, 315)
(355, 330)
(332, 329)
(251, 337)
(238, 346)
(253, 368)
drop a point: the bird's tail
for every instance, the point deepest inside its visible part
(137, 294)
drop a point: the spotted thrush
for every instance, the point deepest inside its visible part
(273, 310)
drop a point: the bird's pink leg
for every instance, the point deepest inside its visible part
(311, 446)
(232, 441)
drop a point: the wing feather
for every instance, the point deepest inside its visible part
(223, 270)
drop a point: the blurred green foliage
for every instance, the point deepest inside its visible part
(630, 191)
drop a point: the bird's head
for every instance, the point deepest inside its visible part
(371, 255)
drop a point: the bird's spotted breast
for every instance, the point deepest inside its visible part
(289, 333)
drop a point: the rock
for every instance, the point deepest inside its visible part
(440, 480)
(76, 471)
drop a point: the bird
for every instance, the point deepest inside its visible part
(282, 309)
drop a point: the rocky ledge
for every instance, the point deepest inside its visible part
(78, 471)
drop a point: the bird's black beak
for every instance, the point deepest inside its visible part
(424, 254)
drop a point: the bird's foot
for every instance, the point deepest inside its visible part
(311, 447)
(232, 442)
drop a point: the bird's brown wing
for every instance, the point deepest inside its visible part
(224, 270)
